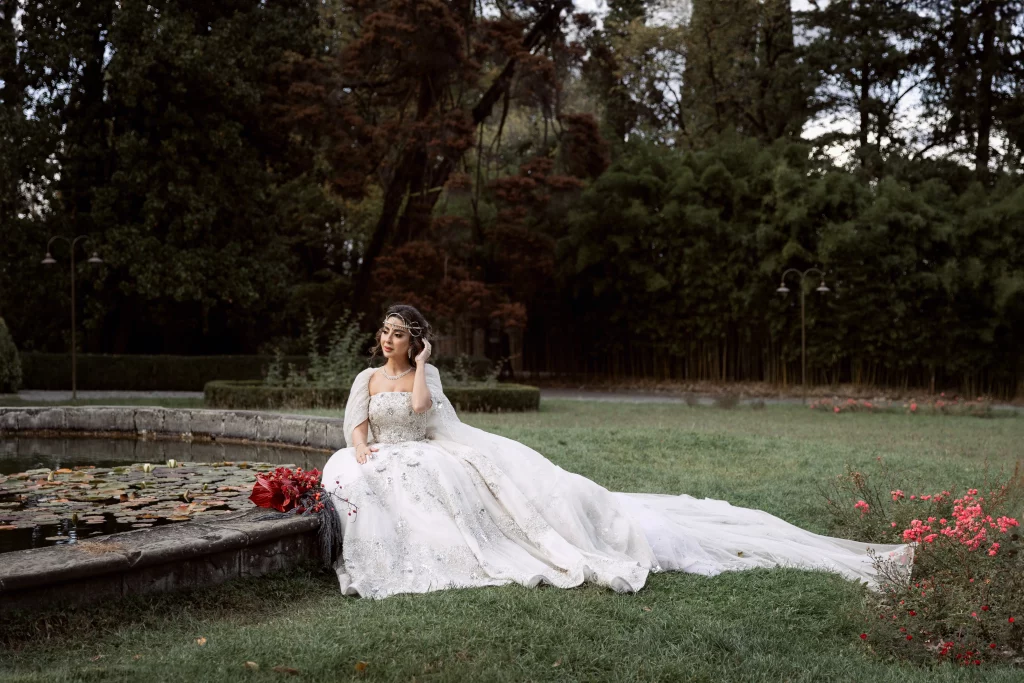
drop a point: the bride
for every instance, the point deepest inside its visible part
(440, 504)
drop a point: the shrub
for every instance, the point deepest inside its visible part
(965, 599)
(493, 397)
(727, 401)
(343, 361)
(10, 362)
(463, 368)
(256, 395)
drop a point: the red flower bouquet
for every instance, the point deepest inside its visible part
(285, 490)
(300, 492)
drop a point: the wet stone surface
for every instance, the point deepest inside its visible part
(204, 551)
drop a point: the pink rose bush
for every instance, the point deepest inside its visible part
(966, 592)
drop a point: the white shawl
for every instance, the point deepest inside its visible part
(442, 422)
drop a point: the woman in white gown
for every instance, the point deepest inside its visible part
(441, 504)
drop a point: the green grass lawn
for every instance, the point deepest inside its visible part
(766, 625)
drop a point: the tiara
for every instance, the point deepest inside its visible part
(413, 327)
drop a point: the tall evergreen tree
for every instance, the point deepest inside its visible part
(605, 70)
(974, 94)
(743, 71)
(869, 55)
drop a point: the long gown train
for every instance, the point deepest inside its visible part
(443, 504)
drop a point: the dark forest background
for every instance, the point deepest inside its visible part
(624, 190)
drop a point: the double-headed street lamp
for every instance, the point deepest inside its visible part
(783, 289)
(49, 261)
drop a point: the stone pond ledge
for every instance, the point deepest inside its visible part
(188, 554)
(241, 426)
(201, 552)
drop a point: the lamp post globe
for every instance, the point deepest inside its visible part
(48, 260)
(783, 289)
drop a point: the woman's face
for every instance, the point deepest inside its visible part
(394, 339)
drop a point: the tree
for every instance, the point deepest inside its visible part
(870, 59)
(635, 67)
(743, 71)
(973, 92)
(416, 73)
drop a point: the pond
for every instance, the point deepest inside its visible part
(58, 491)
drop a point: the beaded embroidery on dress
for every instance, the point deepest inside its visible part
(446, 505)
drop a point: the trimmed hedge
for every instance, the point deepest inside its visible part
(497, 398)
(52, 371)
(255, 395)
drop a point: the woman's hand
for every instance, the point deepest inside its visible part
(423, 355)
(363, 451)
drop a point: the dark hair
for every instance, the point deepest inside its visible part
(411, 315)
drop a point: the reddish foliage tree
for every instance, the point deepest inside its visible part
(399, 105)
(426, 274)
(417, 71)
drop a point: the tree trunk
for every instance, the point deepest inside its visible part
(989, 64)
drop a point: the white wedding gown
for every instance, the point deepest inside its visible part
(446, 505)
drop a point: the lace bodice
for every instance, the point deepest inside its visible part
(392, 418)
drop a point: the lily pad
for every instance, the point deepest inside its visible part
(127, 494)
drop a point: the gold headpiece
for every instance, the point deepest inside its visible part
(412, 327)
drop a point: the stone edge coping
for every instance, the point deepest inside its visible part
(319, 433)
(134, 550)
(130, 551)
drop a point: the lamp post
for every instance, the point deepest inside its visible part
(783, 289)
(49, 261)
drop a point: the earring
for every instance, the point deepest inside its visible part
(410, 353)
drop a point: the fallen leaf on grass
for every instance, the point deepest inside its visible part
(252, 666)
(97, 658)
(201, 640)
(646, 609)
(286, 670)
(558, 662)
(136, 657)
(361, 666)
